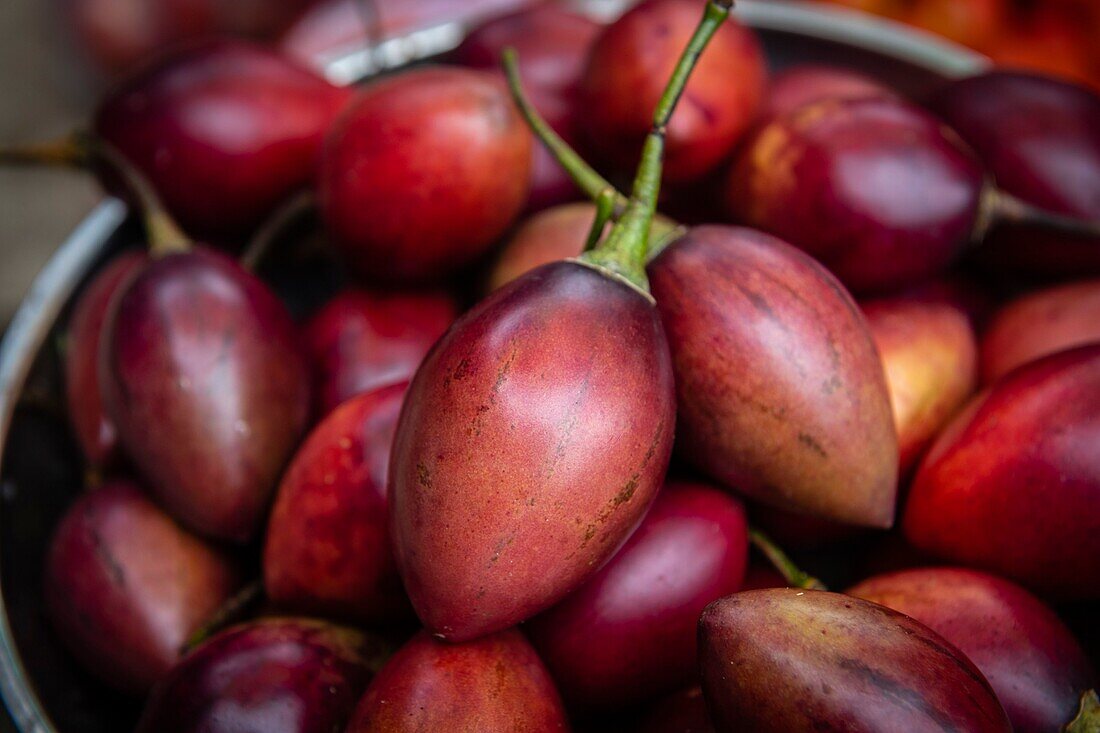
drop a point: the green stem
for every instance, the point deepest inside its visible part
(1001, 207)
(605, 208)
(230, 612)
(164, 235)
(584, 175)
(1088, 715)
(70, 151)
(624, 251)
(786, 567)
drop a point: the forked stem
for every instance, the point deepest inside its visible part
(1088, 715)
(605, 208)
(625, 249)
(794, 575)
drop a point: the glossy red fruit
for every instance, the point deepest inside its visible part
(1012, 485)
(552, 43)
(125, 586)
(783, 660)
(1040, 140)
(626, 73)
(285, 675)
(225, 132)
(94, 430)
(628, 634)
(681, 712)
(781, 391)
(1030, 658)
(930, 354)
(876, 189)
(328, 546)
(534, 438)
(797, 86)
(362, 340)
(1041, 323)
(492, 684)
(120, 34)
(423, 172)
(204, 378)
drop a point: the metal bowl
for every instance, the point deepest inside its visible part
(41, 469)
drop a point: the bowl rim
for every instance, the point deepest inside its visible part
(71, 263)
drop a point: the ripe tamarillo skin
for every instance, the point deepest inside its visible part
(1012, 485)
(930, 354)
(328, 543)
(225, 131)
(496, 683)
(628, 634)
(423, 172)
(552, 44)
(273, 675)
(788, 660)
(1039, 137)
(1030, 658)
(362, 340)
(1041, 323)
(125, 586)
(94, 430)
(878, 190)
(204, 378)
(781, 391)
(626, 74)
(533, 440)
(800, 85)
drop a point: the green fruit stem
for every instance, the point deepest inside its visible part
(234, 610)
(1088, 715)
(624, 250)
(786, 567)
(1000, 207)
(71, 151)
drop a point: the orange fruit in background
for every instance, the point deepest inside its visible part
(1050, 41)
(973, 23)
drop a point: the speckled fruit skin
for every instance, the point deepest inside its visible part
(423, 172)
(1041, 323)
(273, 675)
(496, 683)
(125, 586)
(1012, 485)
(796, 86)
(876, 189)
(362, 340)
(930, 354)
(204, 378)
(533, 440)
(94, 430)
(628, 634)
(781, 391)
(225, 131)
(626, 74)
(1039, 137)
(552, 44)
(1030, 658)
(328, 543)
(786, 660)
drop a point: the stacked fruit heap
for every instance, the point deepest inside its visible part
(516, 495)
